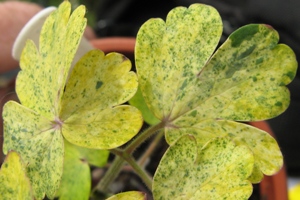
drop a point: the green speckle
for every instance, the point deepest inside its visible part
(99, 84)
(242, 34)
(194, 113)
(184, 84)
(259, 60)
(247, 52)
(254, 79)
(13, 138)
(278, 103)
(24, 130)
(291, 75)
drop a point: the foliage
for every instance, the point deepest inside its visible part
(69, 117)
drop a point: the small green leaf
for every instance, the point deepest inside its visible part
(76, 178)
(219, 170)
(139, 102)
(95, 157)
(13, 179)
(90, 106)
(131, 195)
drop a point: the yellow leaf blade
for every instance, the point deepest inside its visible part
(110, 128)
(170, 55)
(262, 145)
(131, 195)
(90, 113)
(219, 170)
(39, 145)
(13, 179)
(250, 64)
(40, 83)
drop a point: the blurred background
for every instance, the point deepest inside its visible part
(124, 17)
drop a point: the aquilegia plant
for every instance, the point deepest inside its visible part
(68, 119)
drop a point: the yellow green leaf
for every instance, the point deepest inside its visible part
(87, 114)
(38, 143)
(94, 157)
(13, 179)
(131, 195)
(188, 87)
(170, 54)
(76, 179)
(218, 170)
(249, 72)
(90, 113)
(262, 145)
(33, 128)
(43, 74)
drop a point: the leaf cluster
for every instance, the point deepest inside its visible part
(70, 117)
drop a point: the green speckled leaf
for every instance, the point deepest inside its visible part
(139, 102)
(244, 80)
(267, 154)
(40, 83)
(39, 145)
(219, 170)
(33, 129)
(86, 112)
(170, 55)
(90, 111)
(248, 75)
(14, 182)
(131, 195)
(76, 179)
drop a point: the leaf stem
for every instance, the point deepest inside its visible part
(142, 160)
(122, 155)
(143, 136)
(111, 174)
(140, 171)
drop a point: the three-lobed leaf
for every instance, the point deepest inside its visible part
(193, 91)
(217, 170)
(12, 172)
(85, 110)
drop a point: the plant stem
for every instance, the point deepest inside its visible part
(140, 171)
(111, 174)
(122, 155)
(142, 137)
(142, 160)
